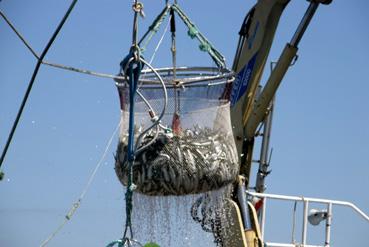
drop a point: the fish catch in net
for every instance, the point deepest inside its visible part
(192, 150)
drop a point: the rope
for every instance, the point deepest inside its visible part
(30, 84)
(134, 74)
(193, 32)
(205, 44)
(154, 54)
(159, 43)
(174, 64)
(83, 71)
(153, 29)
(76, 205)
(132, 70)
(19, 35)
(131, 66)
(55, 65)
(157, 122)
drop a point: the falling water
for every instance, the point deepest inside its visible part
(167, 221)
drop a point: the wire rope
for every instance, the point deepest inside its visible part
(157, 122)
(160, 42)
(76, 205)
(19, 35)
(33, 78)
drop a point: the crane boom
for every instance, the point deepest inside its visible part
(248, 107)
(256, 37)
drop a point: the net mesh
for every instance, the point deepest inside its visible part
(193, 149)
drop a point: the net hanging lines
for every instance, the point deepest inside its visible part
(187, 148)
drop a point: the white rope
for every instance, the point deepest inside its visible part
(159, 43)
(75, 205)
(157, 48)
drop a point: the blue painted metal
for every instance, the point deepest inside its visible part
(242, 80)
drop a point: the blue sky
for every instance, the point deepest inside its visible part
(320, 129)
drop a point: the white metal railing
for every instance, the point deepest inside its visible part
(305, 201)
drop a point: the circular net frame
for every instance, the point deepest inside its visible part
(193, 150)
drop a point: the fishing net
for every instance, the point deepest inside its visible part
(192, 150)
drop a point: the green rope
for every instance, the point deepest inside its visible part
(206, 47)
(205, 44)
(193, 32)
(153, 29)
(159, 19)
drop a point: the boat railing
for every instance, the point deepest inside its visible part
(306, 216)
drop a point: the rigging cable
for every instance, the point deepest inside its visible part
(30, 84)
(131, 66)
(157, 48)
(56, 65)
(157, 121)
(76, 205)
(159, 43)
(137, 7)
(19, 35)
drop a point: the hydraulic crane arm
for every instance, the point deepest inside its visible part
(260, 107)
(256, 37)
(248, 109)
